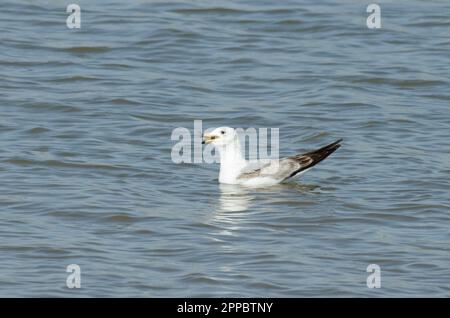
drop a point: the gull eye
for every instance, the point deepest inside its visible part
(223, 132)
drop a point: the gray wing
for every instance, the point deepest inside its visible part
(284, 169)
(291, 166)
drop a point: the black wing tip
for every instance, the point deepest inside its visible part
(317, 155)
(330, 147)
(320, 154)
(337, 142)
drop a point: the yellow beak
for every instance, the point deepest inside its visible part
(208, 138)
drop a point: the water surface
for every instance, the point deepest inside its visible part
(87, 177)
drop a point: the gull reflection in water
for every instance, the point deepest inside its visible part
(234, 198)
(234, 205)
(232, 208)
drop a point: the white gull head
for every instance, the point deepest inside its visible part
(226, 141)
(221, 136)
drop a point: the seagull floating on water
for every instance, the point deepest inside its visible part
(234, 169)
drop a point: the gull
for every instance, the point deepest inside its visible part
(235, 169)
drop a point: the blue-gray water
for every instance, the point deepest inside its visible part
(87, 177)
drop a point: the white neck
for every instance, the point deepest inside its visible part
(231, 161)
